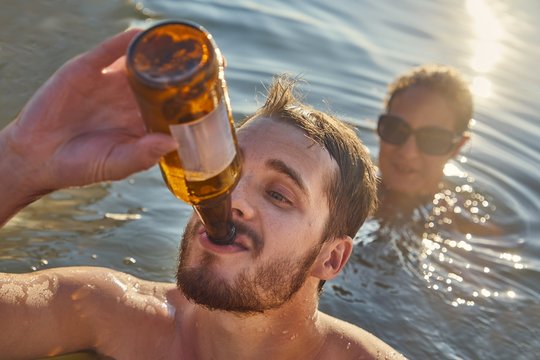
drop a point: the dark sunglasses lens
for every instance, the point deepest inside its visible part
(393, 129)
(434, 141)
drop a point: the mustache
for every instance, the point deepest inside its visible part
(254, 236)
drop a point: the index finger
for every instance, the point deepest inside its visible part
(110, 50)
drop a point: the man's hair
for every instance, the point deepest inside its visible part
(351, 191)
(444, 80)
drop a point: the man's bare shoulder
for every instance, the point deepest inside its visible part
(347, 341)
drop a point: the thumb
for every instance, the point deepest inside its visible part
(127, 159)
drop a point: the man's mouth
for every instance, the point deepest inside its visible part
(240, 243)
(246, 240)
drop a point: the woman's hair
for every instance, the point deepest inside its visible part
(444, 80)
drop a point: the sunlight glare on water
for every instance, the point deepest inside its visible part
(487, 32)
(487, 49)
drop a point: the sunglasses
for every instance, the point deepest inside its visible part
(430, 140)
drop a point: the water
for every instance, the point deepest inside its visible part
(431, 292)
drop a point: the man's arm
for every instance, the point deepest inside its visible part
(62, 310)
(41, 315)
(82, 126)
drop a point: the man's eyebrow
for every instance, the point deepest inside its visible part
(288, 171)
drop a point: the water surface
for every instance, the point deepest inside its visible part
(428, 290)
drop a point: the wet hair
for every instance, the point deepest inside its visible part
(444, 80)
(351, 191)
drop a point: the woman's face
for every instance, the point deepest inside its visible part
(405, 168)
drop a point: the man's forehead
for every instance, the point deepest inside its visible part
(276, 133)
(257, 122)
(266, 140)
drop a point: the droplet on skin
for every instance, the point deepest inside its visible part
(150, 310)
(11, 293)
(82, 292)
(38, 295)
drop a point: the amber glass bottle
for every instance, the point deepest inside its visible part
(177, 74)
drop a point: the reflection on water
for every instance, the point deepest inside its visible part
(99, 225)
(38, 235)
(458, 252)
(453, 242)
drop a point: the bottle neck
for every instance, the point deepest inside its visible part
(216, 217)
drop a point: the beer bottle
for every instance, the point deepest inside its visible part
(176, 72)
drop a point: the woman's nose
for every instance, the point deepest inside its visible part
(409, 149)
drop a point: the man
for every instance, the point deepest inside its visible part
(294, 209)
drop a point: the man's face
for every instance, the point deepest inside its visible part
(404, 168)
(280, 211)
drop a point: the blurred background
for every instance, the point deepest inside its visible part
(460, 296)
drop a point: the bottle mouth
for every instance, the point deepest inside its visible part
(227, 240)
(170, 53)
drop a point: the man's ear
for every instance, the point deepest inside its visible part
(466, 137)
(333, 256)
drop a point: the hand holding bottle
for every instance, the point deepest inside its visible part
(82, 126)
(176, 71)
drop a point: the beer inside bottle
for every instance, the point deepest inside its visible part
(177, 74)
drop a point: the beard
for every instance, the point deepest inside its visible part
(271, 285)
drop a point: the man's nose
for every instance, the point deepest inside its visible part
(242, 199)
